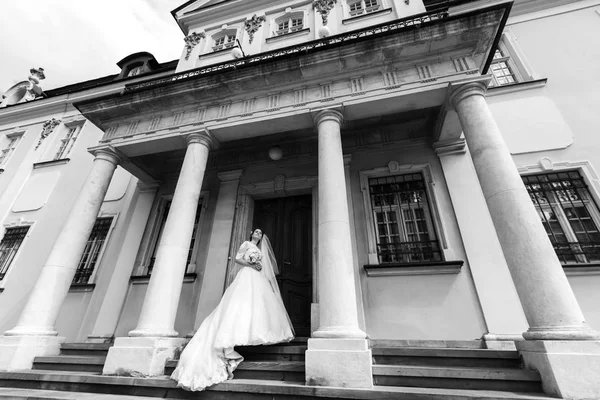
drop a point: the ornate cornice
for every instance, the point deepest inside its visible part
(47, 129)
(191, 41)
(323, 7)
(253, 24)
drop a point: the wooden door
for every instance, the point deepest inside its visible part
(287, 221)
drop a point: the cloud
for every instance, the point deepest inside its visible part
(78, 40)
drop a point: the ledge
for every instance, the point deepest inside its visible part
(516, 87)
(300, 32)
(366, 16)
(144, 279)
(51, 163)
(81, 287)
(582, 269)
(421, 268)
(218, 52)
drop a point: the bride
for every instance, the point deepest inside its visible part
(250, 313)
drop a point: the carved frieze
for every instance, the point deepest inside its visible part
(191, 41)
(323, 7)
(47, 129)
(253, 24)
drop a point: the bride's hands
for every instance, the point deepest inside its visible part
(257, 266)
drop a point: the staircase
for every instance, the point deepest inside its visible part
(277, 372)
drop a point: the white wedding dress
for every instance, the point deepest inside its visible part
(251, 312)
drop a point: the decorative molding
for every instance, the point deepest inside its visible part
(582, 270)
(432, 268)
(51, 163)
(448, 147)
(228, 176)
(191, 41)
(300, 32)
(357, 85)
(517, 87)
(323, 7)
(81, 287)
(253, 24)
(47, 129)
(424, 72)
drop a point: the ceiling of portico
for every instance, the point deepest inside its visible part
(357, 135)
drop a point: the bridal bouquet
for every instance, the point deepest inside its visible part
(253, 256)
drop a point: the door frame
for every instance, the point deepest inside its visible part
(280, 186)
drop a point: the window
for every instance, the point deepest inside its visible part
(502, 72)
(569, 214)
(9, 149)
(67, 143)
(403, 224)
(163, 220)
(135, 71)
(9, 246)
(93, 248)
(360, 7)
(224, 41)
(290, 23)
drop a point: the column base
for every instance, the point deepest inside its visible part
(18, 352)
(569, 369)
(136, 356)
(578, 332)
(339, 332)
(501, 341)
(339, 363)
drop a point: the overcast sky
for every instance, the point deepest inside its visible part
(78, 40)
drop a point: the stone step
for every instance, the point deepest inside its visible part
(446, 357)
(290, 352)
(70, 363)
(85, 349)
(33, 394)
(290, 371)
(516, 380)
(453, 344)
(241, 389)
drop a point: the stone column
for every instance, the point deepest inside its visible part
(154, 340)
(338, 354)
(560, 345)
(34, 334)
(546, 296)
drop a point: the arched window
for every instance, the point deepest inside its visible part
(290, 22)
(224, 39)
(135, 69)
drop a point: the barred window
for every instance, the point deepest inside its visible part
(9, 246)
(67, 143)
(402, 218)
(10, 147)
(92, 250)
(165, 214)
(569, 214)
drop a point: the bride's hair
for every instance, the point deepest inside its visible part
(252, 233)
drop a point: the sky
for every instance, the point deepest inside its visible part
(78, 40)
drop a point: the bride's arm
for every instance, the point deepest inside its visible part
(239, 258)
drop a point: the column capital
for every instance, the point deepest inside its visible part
(108, 153)
(452, 146)
(203, 137)
(228, 176)
(460, 92)
(328, 114)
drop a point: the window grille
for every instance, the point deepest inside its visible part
(402, 218)
(8, 150)
(92, 250)
(502, 72)
(13, 237)
(569, 214)
(67, 143)
(165, 214)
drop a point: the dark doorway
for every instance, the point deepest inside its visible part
(287, 221)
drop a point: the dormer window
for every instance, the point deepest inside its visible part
(289, 23)
(224, 40)
(360, 7)
(135, 71)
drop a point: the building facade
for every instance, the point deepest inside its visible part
(426, 172)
